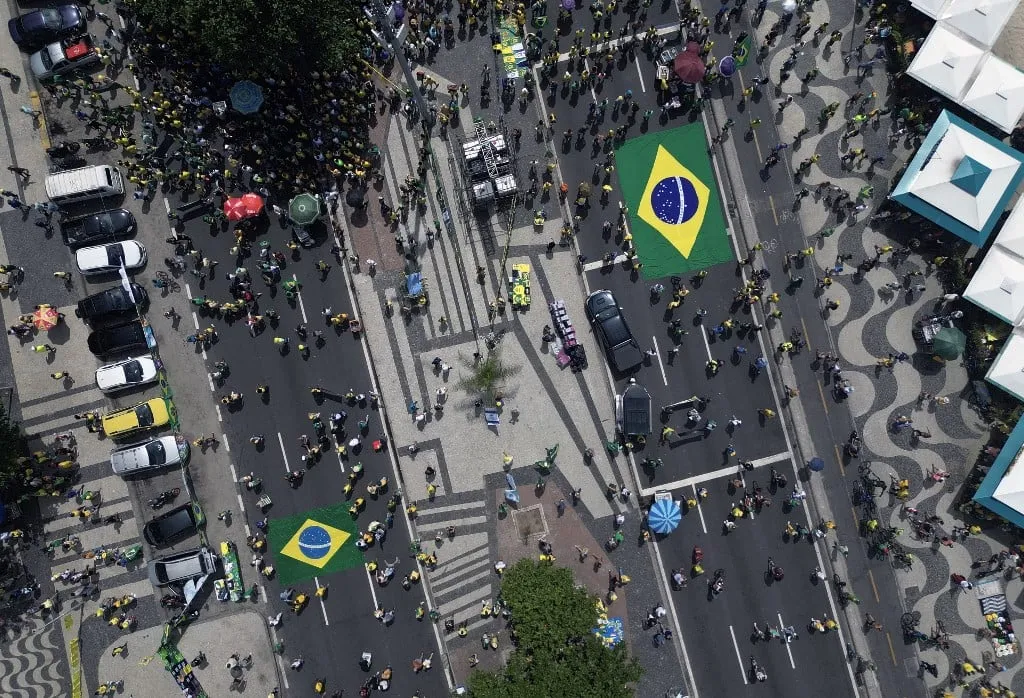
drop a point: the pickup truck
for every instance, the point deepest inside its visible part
(63, 57)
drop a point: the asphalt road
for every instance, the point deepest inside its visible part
(331, 638)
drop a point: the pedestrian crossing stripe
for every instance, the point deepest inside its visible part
(315, 543)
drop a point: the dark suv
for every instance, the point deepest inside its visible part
(119, 339)
(604, 311)
(36, 29)
(111, 303)
(170, 526)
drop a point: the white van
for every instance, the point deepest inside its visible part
(84, 184)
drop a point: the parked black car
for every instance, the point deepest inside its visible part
(604, 311)
(105, 226)
(118, 339)
(111, 303)
(36, 29)
(170, 526)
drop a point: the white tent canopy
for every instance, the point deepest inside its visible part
(981, 20)
(997, 95)
(946, 62)
(1010, 490)
(998, 287)
(932, 8)
(1007, 370)
(1011, 235)
(946, 181)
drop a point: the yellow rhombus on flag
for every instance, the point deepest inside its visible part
(674, 202)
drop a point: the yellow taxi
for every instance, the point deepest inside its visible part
(146, 415)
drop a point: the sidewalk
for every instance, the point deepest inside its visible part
(241, 633)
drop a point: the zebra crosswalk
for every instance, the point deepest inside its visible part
(464, 579)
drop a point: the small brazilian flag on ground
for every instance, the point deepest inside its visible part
(675, 213)
(741, 52)
(316, 542)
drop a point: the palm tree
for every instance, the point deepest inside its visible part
(487, 377)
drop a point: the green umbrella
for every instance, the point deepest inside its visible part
(304, 209)
(949, 342)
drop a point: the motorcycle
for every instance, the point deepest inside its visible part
(852, 446)
(63, 149)
(164, 497)
(172, 601)
(199, 660)
(757, 672)
(294, 477)
(717, 583)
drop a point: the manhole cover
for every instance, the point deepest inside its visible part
(530, 522)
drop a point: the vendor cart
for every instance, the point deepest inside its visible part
(519, 286)
(230, 587)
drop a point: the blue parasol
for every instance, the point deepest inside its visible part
(664, 516)
(727, 67)
(816, 464)
(246, 97)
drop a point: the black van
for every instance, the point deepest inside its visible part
(111, 303)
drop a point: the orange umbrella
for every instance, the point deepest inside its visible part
(253, 203)
(46, 318)
(235, 209)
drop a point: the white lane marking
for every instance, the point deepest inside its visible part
(323, 606)
(667, 594)
(593, 94)
(210, 377)
(700, 510)
(713, 475)
(224, 440)
(739, 659)
(195, 318)
(789, 649)
(373, 592)
(280, 660)
(640, 74)
(298, 294)
(601, 264)
(220, 417)
(234, 473)
(661, 365)
(704, 336)
(280, 440)
(241, 504)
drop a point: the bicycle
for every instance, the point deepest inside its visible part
(163, 280)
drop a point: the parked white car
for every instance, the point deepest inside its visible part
(103, 259)
(126, 374)
(146, 455)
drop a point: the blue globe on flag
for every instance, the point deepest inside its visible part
(315, 542)
(674, 200)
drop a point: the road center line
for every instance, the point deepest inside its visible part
(373, 592)
(323, 606)
(704, 336)
(280, 440)
(789, 649)
(700, 511)
(639, 73)
(739, 659)
(661, 365)
(298, 294)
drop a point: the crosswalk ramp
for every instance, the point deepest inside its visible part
(464, 579)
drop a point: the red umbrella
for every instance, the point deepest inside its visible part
(235, 209)
(253, 203)
(45, 318)
(688, 65)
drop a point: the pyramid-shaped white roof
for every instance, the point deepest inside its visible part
(998, 285)
(1011, 235)
(981, 20)
(997, 95)
(932, 8)
(946, 62)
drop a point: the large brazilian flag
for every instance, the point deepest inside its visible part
(315, 542)
(675, 213)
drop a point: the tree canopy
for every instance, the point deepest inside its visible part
(556, 654)
(261, 37)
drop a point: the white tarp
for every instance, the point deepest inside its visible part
(997, 95)
(998, 287)
(981, 20)
(946, 62)
(932, 8)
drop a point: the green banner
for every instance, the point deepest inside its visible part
(316, 542)
(675, 212)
